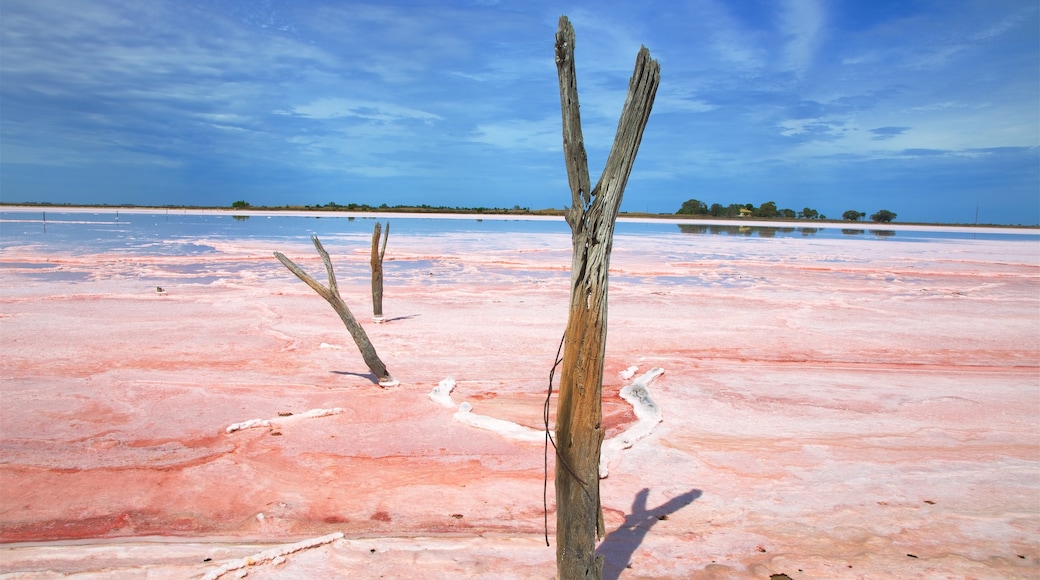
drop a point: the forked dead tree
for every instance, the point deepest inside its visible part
(331, 295)
(591, 216)
(377, 270)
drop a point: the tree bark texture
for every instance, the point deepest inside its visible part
(592, 215)
(331, 295)
(377, 270)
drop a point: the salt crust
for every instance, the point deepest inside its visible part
(442, 393)
(274, 555)
(505, 428)
(647, 412)
(636, 394)
(313, 413)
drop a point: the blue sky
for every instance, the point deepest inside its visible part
(929, 109)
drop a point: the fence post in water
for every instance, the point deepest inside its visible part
(377, 271)
(331, 295)
(579, 432)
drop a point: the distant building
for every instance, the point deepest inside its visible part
(745, 212)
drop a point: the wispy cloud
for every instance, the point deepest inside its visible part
(541, 135)
(332, 108)
(886, 133)
(802, 23)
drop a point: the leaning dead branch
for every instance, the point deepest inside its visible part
(331, 295)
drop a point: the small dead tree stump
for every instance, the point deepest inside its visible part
(331, 295)
(377, 270)
(592, 215)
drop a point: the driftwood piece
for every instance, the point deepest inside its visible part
(592, 215)
(377, 270)
(331, 295)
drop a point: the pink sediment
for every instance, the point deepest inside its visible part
(832, 409)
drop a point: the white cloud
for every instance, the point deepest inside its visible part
(669, 102)
(1003, 25)
(801, 23)
(731, 42)
(543, 135)
(332, 108)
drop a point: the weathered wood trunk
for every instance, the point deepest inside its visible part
(377, 270)
(579, 432)
(331, 295)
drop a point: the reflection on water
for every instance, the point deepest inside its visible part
(831, 232)
(760, 231)
(173, 233)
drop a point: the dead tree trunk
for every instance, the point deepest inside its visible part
(377, 271)
(579, 433)
(331, 295)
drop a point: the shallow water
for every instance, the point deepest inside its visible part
(181, 233)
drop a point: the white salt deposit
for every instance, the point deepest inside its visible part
(628, 373)
(636, 394)
(270, 556)
(647, 412)
(252, 423)
(441, 394)
(316, 413)
(507, 429)
(247, 425)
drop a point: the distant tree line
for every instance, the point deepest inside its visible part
(766, 210)
(769, 210)
(882, 216)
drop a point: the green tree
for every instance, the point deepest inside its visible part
(240, 204)
(717, 210)
(768, 209)
(693, 207)
(788, 213)
(809, 213)
(853, 215)
(882, 216)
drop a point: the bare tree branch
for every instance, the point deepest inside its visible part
(331, 295)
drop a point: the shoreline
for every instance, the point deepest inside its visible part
(379, 215)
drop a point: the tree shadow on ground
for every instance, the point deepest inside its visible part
(395, 319)
(368, 376)
(619, 546)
